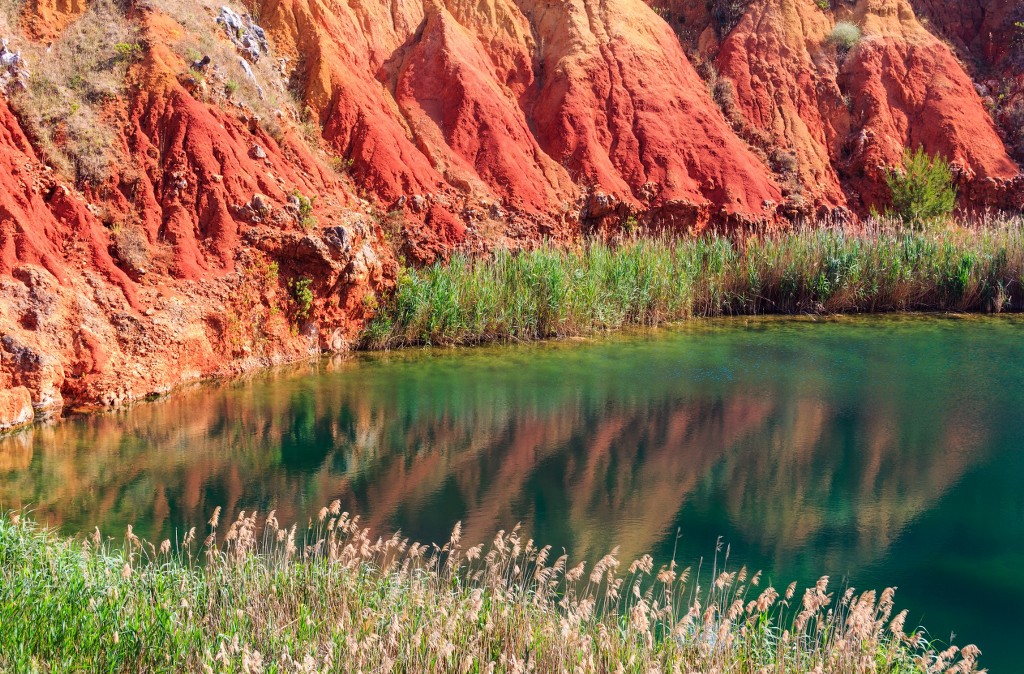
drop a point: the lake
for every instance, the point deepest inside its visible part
(883, 451)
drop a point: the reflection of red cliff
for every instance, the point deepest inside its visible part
(619, 473)
(465, 125)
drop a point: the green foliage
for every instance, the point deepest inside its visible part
(923, 191)
(302, 297)
(554, 292)
(304, 210)
(128, 51)
(342, 165)
(844, 36)
(824, 5)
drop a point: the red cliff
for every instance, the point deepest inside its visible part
(185, 192)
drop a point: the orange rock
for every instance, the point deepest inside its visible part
(48, 18)
(909, 91)
(517, 101)
(846, 119)
(15, 408)
(784, 74)
(77, 329)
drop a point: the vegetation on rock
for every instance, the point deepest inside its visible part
(63, 104)
(923, 190)
(844, 36)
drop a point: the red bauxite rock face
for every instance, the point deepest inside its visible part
(527, 104)
(426, 126)
(847, 117)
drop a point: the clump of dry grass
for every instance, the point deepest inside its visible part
(131, 247)
(256, 598)
(64, 103)
(258, 88)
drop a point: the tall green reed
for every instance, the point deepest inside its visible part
(556, 291)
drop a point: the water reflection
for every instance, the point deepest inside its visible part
(810, 447)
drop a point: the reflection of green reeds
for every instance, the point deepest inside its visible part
(253, 599)
(552, 291)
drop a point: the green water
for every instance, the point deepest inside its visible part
(886, 451)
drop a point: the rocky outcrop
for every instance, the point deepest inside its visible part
(845, 116)
(186, 262)
(529, 106)
(45, 19)
(15, 408)
(908, 90)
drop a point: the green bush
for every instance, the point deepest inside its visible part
(845, 36)
(128, 51)
(302, 298)
(303, 208)
(923, 190)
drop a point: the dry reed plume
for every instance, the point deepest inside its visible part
(256, 598)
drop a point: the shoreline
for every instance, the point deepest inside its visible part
(597, 287)
(311, 362)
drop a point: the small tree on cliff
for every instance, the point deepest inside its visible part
(923, 190)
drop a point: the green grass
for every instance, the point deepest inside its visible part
(254, 600)
(553, 291)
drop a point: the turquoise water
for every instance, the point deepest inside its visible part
(882, 451)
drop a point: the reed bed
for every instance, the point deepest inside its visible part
(554, 291)
(255, 599)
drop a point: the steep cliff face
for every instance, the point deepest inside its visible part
(908, 90)
(520, 108)
(847, 112)
(213, 246)
(184, 192)
(785, 78)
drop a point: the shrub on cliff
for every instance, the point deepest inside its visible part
(923, 190)
(130, 248)
(844, 36)
(726, 14)
(302, 298)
